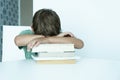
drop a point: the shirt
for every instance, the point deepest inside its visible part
(28, 55)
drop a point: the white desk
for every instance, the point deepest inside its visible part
(86, 69)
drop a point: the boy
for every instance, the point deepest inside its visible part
(46, 28)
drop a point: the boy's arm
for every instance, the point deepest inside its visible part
(34, 43)
(34, 40)
(68, 37)
(77, 42)
(23, 40)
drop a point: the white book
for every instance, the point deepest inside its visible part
(54, 48)
(55, 54)
(56, 58)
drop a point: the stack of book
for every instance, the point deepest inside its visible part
(55, 53)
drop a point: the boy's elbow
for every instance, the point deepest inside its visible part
(16, 41)
(79, 45)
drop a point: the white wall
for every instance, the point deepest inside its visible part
(96, 22)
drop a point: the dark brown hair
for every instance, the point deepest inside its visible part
(46, 22)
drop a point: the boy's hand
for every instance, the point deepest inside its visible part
(65, 34)
(34, 43)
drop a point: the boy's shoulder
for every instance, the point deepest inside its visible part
(26, 32)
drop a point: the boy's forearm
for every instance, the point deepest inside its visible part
(77, 42)
(23, 40)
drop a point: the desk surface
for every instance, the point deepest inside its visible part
(85, 69)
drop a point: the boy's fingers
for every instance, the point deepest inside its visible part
(37, 44)
(30, 46)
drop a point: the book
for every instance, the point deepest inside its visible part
(72, 61)
(54, 53)
(54, 48)
(55, 58)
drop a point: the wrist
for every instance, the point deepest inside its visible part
(44, 40)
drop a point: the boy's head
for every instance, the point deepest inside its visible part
(46, 22)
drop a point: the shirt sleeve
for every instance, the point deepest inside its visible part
(26, 32)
